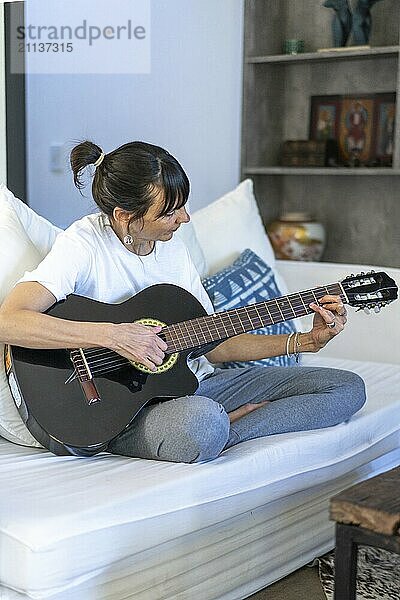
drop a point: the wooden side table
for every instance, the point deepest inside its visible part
(367, 513)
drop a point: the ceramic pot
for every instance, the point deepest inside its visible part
(296, 236)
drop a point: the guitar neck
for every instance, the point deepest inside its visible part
(220, 326)
(366, 290)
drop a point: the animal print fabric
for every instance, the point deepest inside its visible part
(378, 574)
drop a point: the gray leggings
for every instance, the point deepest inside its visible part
(196, 428)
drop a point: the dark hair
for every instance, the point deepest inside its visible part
(131, 176)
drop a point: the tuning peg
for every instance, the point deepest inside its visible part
(377, 308)
(367, 311)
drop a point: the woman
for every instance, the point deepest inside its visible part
(141, 191)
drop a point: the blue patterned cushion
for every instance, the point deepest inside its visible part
(247, 281)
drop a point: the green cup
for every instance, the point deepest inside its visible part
(293, 46)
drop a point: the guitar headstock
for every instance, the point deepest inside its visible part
(370, 290)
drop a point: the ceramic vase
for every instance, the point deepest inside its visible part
(296, 236)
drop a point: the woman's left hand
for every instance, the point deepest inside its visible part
(329, 320)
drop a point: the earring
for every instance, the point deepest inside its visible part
(128, 239)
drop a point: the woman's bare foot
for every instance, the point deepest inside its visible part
(245, 410)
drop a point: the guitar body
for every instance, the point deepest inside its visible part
(58, 414)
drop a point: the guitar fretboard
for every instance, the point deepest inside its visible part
(219, 326)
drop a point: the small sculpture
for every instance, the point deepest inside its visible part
(342, 21)
(362, 22)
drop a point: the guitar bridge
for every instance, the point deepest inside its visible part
(84, 375)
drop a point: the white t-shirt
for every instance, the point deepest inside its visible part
(89, 260)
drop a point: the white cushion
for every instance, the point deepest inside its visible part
(25, 240)
(187, 233)
(229, 225)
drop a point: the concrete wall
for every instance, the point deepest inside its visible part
(190, 103)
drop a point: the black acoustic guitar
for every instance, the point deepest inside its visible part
(76, 401)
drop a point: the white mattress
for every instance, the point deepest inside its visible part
(108, 528)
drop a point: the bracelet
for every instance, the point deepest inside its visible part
(288, 343)
(296, 345)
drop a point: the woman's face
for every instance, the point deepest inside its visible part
(152, 227)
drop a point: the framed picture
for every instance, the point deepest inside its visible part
(356, 129)
(362, 125)
(385, 112)
(325, 114)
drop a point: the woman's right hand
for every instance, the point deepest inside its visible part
(139, 343)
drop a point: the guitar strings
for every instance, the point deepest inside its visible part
(220, 332)
(240, 317)
(246, 318)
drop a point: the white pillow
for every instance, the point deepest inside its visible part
(187, 234)
(25, 240)
(41, 232)
(229, 225)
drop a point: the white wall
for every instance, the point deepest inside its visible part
(3, 154)
(190, 103)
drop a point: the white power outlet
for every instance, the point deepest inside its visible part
(56, 158)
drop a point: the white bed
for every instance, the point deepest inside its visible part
(113, 527)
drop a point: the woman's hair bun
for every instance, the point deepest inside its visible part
(131, 177)
(84, 154)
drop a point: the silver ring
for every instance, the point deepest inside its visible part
(331, 325)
